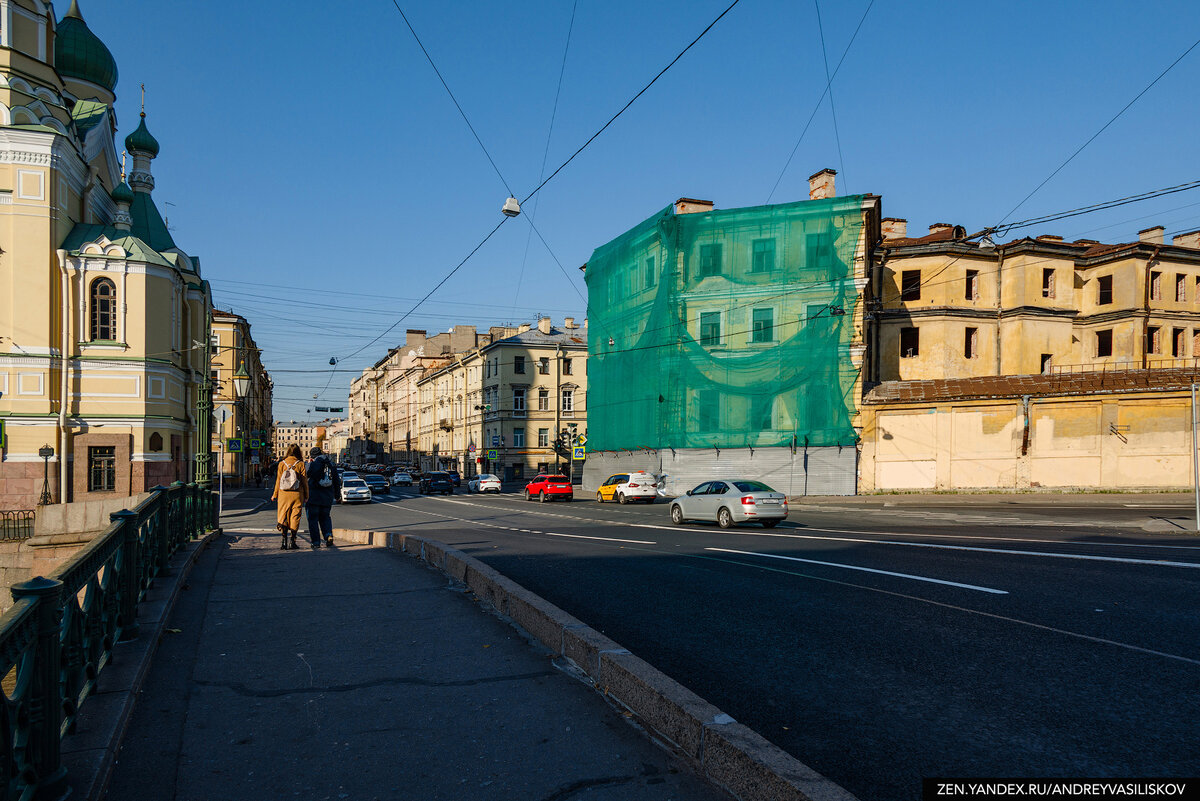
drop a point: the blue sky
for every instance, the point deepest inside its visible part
(313, 161)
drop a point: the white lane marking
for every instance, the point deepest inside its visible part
(1005, 551)
(863, 569)
(506, 528)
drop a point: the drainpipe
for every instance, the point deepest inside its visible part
(999, 318)
(1025, 433)
(64, 361)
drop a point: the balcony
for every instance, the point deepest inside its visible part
(445, 424)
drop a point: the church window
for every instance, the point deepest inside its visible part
(104, 310)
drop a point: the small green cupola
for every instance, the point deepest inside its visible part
(122, 193)
(79, 53)
(141, 140)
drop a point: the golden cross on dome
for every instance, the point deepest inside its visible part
(143, 100)
(122, 165)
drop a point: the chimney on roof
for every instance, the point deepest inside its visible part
(1050, 238)
(1153, 236)
(895, 228)
(821, 184)
(689, 205)
(1189, 240)
(938, 228)
(523, 327)
(544, 325)
(569, 323)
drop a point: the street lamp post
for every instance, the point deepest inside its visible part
(45, 452)
(241, 387)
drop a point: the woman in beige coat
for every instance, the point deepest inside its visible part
(292, 499)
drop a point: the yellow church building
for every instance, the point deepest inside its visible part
(104, 321)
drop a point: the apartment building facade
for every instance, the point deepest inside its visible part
(242, 397)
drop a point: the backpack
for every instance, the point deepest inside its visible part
(290, 480)
(326, 477)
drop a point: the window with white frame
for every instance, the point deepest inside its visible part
(568, 403)
(519, 401)
(518, 438)
(710, 328)
(543, 438)
(762, 325)
(543, 400)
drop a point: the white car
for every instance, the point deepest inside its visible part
(402, 480)
(484, 482)
(625, 487)
(355, 490)
(731, 501)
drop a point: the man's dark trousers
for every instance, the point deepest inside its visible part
(319, 521)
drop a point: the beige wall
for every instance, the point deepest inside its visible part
(1125, 441)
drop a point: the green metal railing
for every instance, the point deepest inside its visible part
(16, 525)
(60, 632)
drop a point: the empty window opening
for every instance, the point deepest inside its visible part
(910, 343)
(1154, 339)
(1047, 365)
(1104, 343)
(971, 343)
(1104, 291)
(1155, 285)
(972, 292)
(1181, 288)
(910, 285)
(1178, 345)
(1048, 283)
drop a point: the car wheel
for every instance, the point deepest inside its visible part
(599, 497)
(542, 496)
(724, 518)
(528, 497)
(770, 523)
(621, 498)
(676, 514)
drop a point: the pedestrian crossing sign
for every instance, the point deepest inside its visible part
(255, 444)
(490, 454)
(579, 452)
(233, 444)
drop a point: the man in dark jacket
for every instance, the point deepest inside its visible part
(324, 487)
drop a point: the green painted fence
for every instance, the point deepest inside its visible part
(60, 632)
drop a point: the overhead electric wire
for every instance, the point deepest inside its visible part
(612, 119)
(446, 86)
(829, 88)
(820, 100)
(1108, 204)
(1103, 128)
(545, 156)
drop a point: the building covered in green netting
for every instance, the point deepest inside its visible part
(728, 342)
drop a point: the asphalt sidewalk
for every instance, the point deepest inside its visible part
(355, 672)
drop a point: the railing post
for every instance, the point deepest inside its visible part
(131, 573)
(196, 527)
(43, 751)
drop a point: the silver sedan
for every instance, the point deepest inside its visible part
(729, 501)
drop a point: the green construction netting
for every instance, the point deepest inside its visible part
(725, 328)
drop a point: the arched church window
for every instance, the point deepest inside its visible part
(104, 309)
(156, 442)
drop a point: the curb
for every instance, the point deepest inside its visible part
(90, 753)
(727, 753)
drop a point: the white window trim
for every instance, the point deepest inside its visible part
(699, 336)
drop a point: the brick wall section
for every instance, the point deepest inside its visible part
(1015, 386)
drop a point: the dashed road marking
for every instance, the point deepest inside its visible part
(863, 569)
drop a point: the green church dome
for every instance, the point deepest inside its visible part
(122, 193)
(79, 53)
(142, 140)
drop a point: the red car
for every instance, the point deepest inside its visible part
(547, 488)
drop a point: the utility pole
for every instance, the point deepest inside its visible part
(204, 414)
(1195, 459)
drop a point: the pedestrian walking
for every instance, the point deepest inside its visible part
(291, 491)
(324, 487)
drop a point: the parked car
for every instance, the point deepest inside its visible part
(626, 487)
(436, 482)
(455, 476)
(730, 501)
(378, 484)
(402, 480)
(549, 487)
(355, 490)
(484, 482)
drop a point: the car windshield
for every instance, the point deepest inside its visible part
(752, 486)
(354, 482)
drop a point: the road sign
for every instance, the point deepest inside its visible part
(233, 444)
(496, 441)
(581, 440)
(490, 454)
(255, 444)
(579, 452)
(471, 448)
(255, 460)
